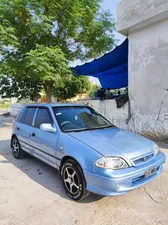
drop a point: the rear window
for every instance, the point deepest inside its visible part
(19, 115)
(28, 115)
(23, 116)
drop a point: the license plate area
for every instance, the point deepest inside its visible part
(150, 172)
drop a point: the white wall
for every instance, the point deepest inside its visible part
(148, 78)
(109, 109)
(15, 108)
(135, 14)
(146, 24)
(146, 124)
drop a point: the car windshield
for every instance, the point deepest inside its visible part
(75, 119)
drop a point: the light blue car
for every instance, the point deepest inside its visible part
(91, 154)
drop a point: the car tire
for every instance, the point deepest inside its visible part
(18, 153)
(73, 180)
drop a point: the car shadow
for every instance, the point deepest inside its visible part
(39, 172)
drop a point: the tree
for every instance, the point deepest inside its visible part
(70, 86)
(19, 88)
(40, 38)
(18, 83)
(48, 65)
(92, 90)
(7, 35)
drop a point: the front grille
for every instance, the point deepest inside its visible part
(142, 159)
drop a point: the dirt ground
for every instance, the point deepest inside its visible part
(32, 194)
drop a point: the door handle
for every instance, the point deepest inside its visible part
(18, 128)
(33, 134)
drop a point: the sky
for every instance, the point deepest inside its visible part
(112, 6)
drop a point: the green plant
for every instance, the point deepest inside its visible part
(39, 39)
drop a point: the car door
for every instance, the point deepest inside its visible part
(44, 143)
(24, 128)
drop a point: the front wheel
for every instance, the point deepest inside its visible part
(73, 180)
(18, 153)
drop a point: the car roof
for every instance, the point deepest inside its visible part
(55, 105)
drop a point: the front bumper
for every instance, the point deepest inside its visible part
(119, 182)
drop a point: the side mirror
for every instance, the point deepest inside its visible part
(47, 127)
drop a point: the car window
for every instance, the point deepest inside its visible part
(18, 117)
(28, 119)
(43, 116)
(23, 116)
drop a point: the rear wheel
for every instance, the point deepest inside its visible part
(73, 180)
(18, 153)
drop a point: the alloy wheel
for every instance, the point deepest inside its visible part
(71, 180)
(16, 147)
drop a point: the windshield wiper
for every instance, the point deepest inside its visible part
(94, 128)
(111, 125)
(76, 130)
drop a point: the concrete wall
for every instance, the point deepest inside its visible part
(107, 108)
(135, 14)
(15, 108)
(152, 125)
(146, 24)
(148, 78)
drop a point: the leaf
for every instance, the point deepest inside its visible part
(39, 39)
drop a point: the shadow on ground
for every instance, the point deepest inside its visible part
(38, 171)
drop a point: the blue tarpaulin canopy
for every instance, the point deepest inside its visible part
(111, 69)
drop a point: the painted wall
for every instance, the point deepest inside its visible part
(148, 78)
(152, 125)
(15, 108)
(109, 109)
(135, 14)
(146, 24)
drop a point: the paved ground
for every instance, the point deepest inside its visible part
(31, 194)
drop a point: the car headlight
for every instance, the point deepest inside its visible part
(156, 149)
(111, 163)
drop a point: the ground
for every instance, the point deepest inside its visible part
(31, 193)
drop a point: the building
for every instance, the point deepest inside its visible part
(146, 25)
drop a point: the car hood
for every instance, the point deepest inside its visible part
(115, 142)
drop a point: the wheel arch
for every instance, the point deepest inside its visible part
(65, 158)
